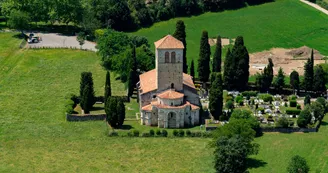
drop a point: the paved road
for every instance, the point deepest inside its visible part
(54, 40)
(315, 6)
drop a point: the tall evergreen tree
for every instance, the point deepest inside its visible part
(308, 73)
(216, 96)
(87, 100)
(217, 56)
(111, 111)
(319, 82)
(267, 76)
(192, 70)
(295, 80)
(180, 34)
(241, 57)
(229, 70)
(133, 74)
(280, 81)
(108, 90)
(120, 112)
(204, 58)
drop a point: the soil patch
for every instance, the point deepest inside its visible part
(224, 41)
(287, 59)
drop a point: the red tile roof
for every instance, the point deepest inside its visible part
(169, 42)
(148, 81)
(155, 103)
(170, 94)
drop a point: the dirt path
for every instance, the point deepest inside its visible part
(316, 6)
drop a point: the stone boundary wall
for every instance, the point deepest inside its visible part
(86, 117)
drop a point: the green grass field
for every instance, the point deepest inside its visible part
(35, 137)
(284, 23)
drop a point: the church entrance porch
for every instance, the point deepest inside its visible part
(172, 120)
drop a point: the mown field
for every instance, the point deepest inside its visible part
(284, 23)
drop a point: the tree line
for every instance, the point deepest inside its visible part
(121, 15)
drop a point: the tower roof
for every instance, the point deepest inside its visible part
(170, 94)
(169, 42)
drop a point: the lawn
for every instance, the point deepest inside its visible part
(284, 23)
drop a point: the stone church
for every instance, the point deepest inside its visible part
(167, 96)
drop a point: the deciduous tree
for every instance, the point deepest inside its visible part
(298, 165)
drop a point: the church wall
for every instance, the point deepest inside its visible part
(169, 102)
(145, 99)
(192, 97)
(169, 73)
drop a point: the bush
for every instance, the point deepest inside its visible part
(207, 134)
(69, 107)
(298, 106)
(301, 122)
(239, 98)
(135, 133)
(175, 132)
(291, 123)
(241, 103)
(286, 104)
(249, 93)
(188, 133)
(291, 111)
(130, 134)
(151, 132)
(293, 103)
(145, 134)
(181, 133)
(282, 122)
(158, 132)
(196, 134)
(164, 133)
(266, 97)
(112, 134)
(292, 97)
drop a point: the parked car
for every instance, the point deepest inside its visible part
(33, 40)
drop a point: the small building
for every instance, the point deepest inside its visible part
(167, 96)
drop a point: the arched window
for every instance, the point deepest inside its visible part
(173, 57)
(172, 85)
(167, 57)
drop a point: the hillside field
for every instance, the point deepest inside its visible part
(284, 23)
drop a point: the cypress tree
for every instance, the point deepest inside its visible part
(241, 57)
(270, 72)
(217, 56)
(204, 58)
(133, 75)
(308, 75)
(120, 112)
(130, 83)
(111, 111)
(295, 80)
(307, 100)
(319, 82)
(192, 70)
(108, 89)
(267, 76)
(180, 34)
(86, 79)
(87, 100)
(280, 81)
(229, 70)
(216, 96)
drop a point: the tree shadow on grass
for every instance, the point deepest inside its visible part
(126, 127)
(324, 123)
(97, 109)
(255, 163)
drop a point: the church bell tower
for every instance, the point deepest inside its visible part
(169, 63)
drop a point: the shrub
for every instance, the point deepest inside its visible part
(196, 134)
(207, 134)
(282, 122)
(175, 132)
(135, 133)
(292, 111)
(151, 132)
(291, 123)
(69, 107)
(266, 97)
(298, 106)
(301, 122)
(286, 104)
(239, 98)
(181, 133)
(188, 133)
(249, 93)
(130, 134)
(241, 103)
(145, 134)
(112, 134)
(164, 133)
(229, 98)
(292, 97)
(158, 132)
(293, 103)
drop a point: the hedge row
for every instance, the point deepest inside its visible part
(293, 111)
(249, 93)
(164, 133)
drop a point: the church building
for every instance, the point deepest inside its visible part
(167, 96)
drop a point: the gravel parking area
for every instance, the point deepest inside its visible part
(54, 40)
